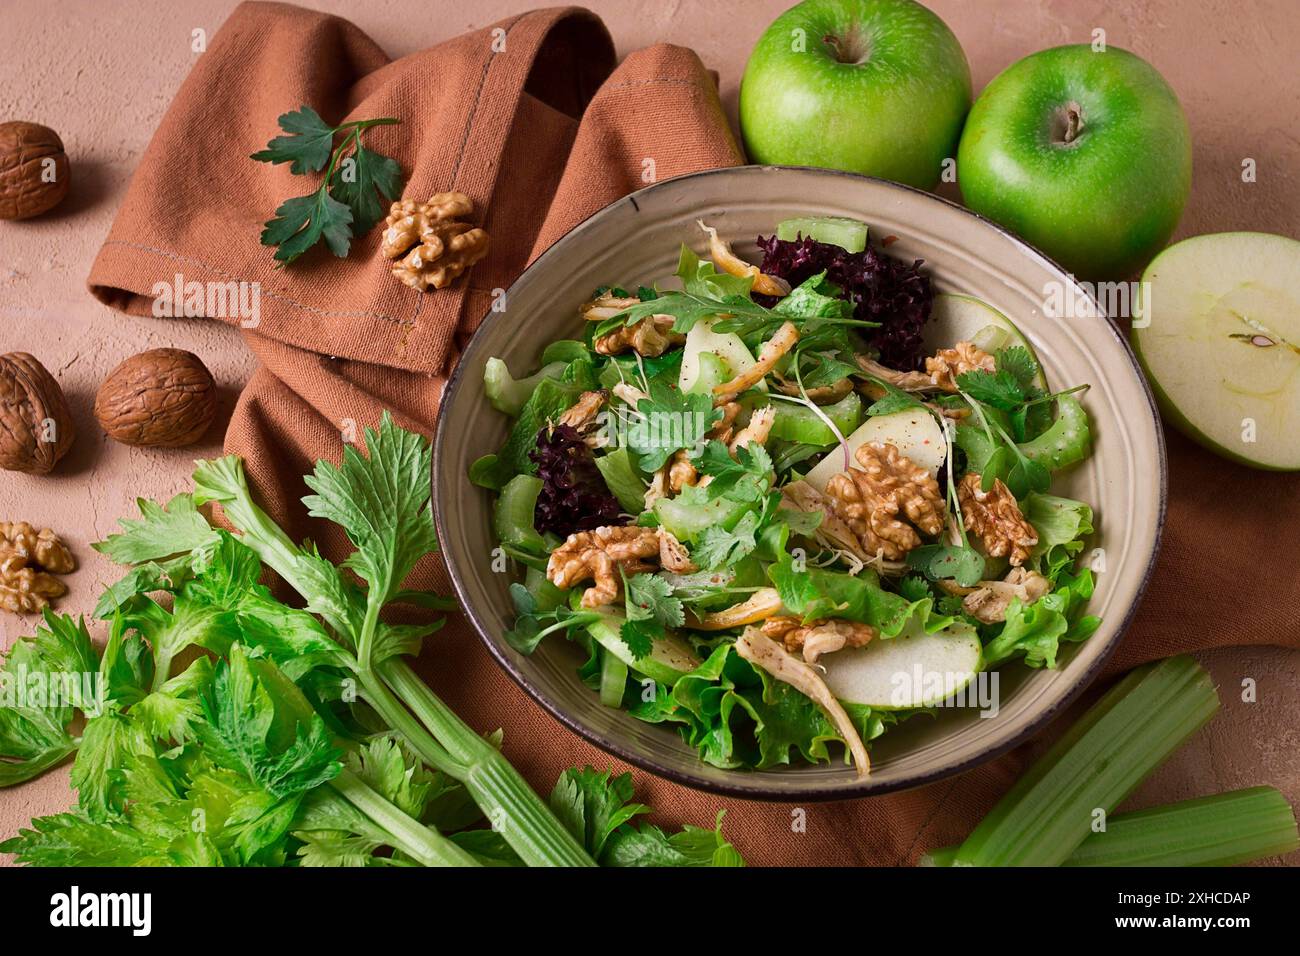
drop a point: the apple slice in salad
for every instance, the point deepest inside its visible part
(777, 521)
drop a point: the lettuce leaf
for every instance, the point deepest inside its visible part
(812, 593)
(1062, 524)
(1037, 630)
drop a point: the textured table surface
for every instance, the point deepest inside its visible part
(102, 74)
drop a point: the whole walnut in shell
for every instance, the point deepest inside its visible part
(36, 428)
(162, 397)
(33, 170)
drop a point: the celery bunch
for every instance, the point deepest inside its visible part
(301, 735)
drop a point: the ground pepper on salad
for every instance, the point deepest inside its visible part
(757, 501)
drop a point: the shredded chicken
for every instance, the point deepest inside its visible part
(733, 265)
(629, 393)
(759, 649)
(756, 432)
(781, 342)
(989, 601)
(673, 555)
(822, 636)
(761, 605)
(823, 395)
(907, 381)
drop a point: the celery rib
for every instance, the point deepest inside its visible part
(423, 843)
(511, 805)
(1224, 829)
(1044, 818)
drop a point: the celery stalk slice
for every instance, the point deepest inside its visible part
(1224, 829)
(1044, 818)
(1220, 830)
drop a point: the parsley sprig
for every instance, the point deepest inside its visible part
(347, 202)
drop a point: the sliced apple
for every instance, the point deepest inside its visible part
(914, 432)
(727, 347)
(1217, 329)
(915, 669)
(964, 318)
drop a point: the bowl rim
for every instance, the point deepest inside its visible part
(749, 785)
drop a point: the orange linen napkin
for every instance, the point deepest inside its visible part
(534, 121)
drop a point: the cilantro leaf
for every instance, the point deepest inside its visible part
(746, 477)
(651, 597)
(996, 389)
(308, 145)
(670, 420)
(719, 547)
(1020, 365)
(894, 400)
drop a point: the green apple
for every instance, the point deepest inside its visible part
(1217, 329)
(878, 87)
(1084, 154)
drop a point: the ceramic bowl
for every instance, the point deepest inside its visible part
(635, 241)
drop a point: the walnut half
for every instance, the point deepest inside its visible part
(822, 636)
(870, 500)
(27, 558)
(436, 244)
(599, 556)
(995, 517)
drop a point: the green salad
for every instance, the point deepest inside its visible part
(782, 506)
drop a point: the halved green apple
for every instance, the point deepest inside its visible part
(964, 318)
(1217, 328)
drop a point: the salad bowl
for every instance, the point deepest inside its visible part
(635, 241)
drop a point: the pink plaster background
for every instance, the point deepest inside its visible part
(102, 74)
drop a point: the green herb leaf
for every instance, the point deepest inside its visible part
(358, 182)
(941, 561)
(308, 145)
(303, 221)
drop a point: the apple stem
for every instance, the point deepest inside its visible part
(1073, 123)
